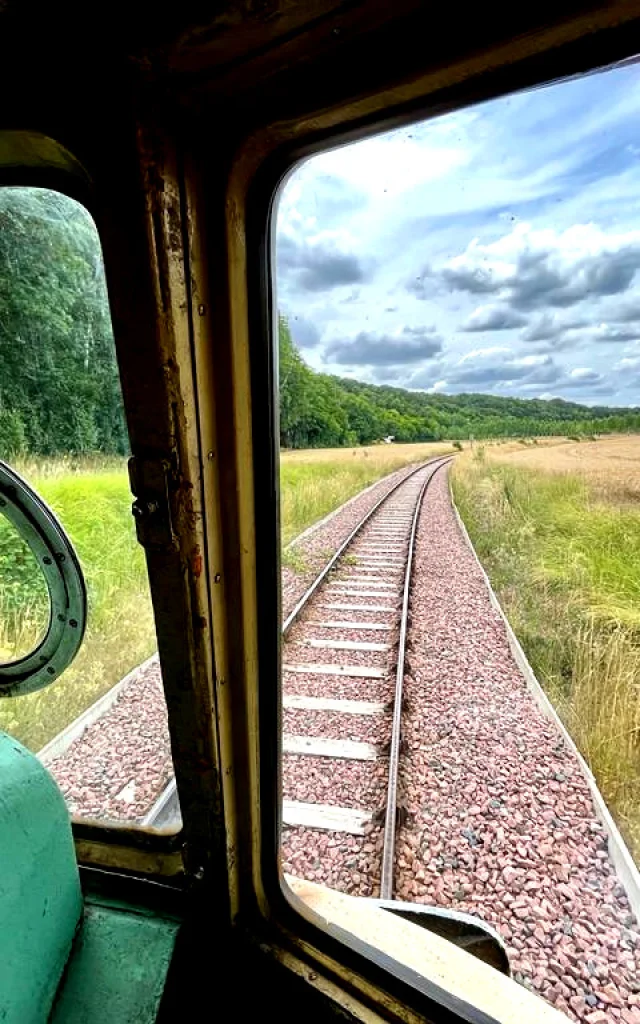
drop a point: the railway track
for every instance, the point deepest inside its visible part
(343, 670)
(347, 632)
(349, 627)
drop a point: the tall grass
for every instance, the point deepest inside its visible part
(91, 496)
(93, 501)
(314, 482)
(564, 558)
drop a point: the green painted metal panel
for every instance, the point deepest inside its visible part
(40, 899)
(117, 972)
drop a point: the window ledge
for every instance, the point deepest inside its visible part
(438, 961)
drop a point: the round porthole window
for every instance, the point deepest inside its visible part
(52, 627)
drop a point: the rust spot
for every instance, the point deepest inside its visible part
(196, 563)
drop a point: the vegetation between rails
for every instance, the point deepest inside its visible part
(562, 550)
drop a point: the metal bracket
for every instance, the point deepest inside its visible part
(150, 481)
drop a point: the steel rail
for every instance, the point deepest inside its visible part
(389, 842)
(169, 796)
(308, 594)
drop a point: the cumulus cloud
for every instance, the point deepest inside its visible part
(560, 333)
(488, 368)
(493, 318)
(549, 327)
(537, 252)
(317, 265)
(410, 345)
(532, 268)
(613, 333)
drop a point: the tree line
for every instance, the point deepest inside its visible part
(59, 386)
(320, 410)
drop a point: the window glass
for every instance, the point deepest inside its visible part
(459, 359)
(101, 727)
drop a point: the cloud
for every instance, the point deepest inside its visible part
(316, 266)
(536, 268)
(486, 369)
(410, 345)
(583, 377)
(565, 333)
(304, 332)
(549, 326)
(493, 318)
(424, 285)
(612, 333)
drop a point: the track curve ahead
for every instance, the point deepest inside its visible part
(343, 667)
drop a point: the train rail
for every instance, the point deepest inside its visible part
(497, 819)
(355, 617)
(389, 522)
(393, 519)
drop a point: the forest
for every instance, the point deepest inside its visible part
(321, 411)
(59, 389)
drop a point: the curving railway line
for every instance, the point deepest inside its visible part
(349, 627)
(346, 631)
(343, 670)
(492, 810)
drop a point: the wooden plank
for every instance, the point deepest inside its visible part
(298, 702)
(346, 645)
(320, 746)
(356, 671)
(326, 817)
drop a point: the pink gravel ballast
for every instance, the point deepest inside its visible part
(501, 821)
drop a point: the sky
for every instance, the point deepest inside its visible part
(493, 250)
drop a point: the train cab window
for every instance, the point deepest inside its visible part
(451, 295)
(99, 724)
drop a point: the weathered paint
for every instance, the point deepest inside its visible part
(117, 972)
(40, 899)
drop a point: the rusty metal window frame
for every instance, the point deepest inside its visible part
(33, 159)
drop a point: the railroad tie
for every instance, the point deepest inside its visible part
(345, 645)
(356, 671)
(343, 606)
(348, 624)
(342, 589)
(325, 817)
(358, 582)
(299, 702)
(320, 746)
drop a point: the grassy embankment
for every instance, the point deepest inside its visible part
(93, 501)
(558, 530)
(315, 481)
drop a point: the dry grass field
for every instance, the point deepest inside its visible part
(557, 526)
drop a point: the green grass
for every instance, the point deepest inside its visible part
(91, 496)
(93, 502)
(315, 482)
(564, 558)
